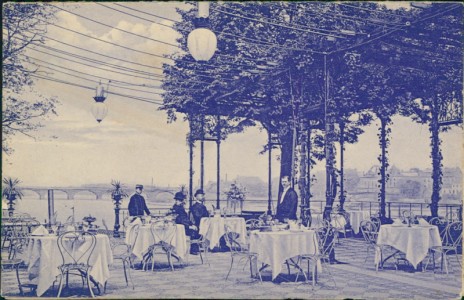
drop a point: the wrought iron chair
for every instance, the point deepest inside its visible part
(14, 264)
(163, 233)
(239, 250)
(441, 223)
(203, 245)
(76, 248)
(450, 243)
(376, 221)
(324, 241)
(370, 232)
(18, 237)
(341, 222)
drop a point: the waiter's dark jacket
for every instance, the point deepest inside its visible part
(287, 209)
(137, 205)
(198, 211)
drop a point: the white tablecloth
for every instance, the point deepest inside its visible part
(213, 228)
(316, 221)
(145, 239)
(414, 241)
(43, 259)
(274, 248)
(356, 216)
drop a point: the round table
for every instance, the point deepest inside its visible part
(414, 241)
(145, 239)
(274, 248)
(213, 228)
(43, 258)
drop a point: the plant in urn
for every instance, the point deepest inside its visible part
(10, 192)
(117, 194)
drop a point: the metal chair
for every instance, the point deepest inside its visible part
(239, 250)
(324, 241)
(341, 222)
(377, 222)
(163, 233)
(450, 243)
(76, 248)
(15, 264)
(370, 232)
(203, 244)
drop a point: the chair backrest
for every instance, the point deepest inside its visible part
(163, 233)
(76, 247)
(377, 222)
(369, 231)
(131, 236)
(339, 221)
(453, 234)
(231, 240)
(452, 216)
(325, 237)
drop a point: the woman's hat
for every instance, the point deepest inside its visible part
(139, 186)
(199, 191)
(179, 196)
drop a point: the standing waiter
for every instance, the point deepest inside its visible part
(137, 205)
(288, 201)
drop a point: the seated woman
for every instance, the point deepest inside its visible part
(182, 218)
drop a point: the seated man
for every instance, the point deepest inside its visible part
(182, 218)
(198, 209)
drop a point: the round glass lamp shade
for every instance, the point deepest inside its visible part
(99, 111)
(202, 44)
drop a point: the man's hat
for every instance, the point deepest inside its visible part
(179, 196)
(199, 191)
(139, 186)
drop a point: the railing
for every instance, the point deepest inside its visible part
(395, 209)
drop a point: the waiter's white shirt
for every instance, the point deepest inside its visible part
(283, 195)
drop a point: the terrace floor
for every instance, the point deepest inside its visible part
(353, 279)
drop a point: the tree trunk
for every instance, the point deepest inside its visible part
(286, 155)
(342, 175)
(308, 181)
(436, 159)
(302, 184)
(383, 167)
(331, 180)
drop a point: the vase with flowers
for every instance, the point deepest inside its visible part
(235, 195)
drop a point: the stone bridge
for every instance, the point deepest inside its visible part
(99, 192)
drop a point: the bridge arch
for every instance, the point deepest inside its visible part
(31, 193)
(86, 194)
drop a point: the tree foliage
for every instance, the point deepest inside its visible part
(24, 24)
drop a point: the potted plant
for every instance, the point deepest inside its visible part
(117, 194)
(10, 192)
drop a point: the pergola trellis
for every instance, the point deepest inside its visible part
(450, 110)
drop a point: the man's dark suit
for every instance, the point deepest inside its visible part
(287, 208)
(198, 211)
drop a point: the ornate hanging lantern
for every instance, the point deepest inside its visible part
(202, 42)
(99, 108)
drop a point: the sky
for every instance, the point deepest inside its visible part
(135, 143)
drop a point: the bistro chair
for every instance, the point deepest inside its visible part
(123, 252)
(370, 232)
(18, 238)
(376, 221)
(76, 248)
(163, 233)
(341, 222)
(240, 251)
(441, 223)
(16, 264)
(451, 243)
(203, 244)
(324, 241)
